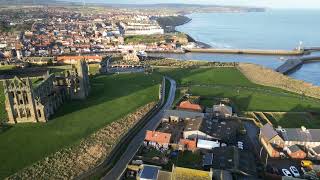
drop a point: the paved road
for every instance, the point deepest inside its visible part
(136, 142)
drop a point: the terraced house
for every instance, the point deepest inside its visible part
(298, 143)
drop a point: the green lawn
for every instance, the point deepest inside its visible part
(111, 98)
(188, 159)
(224, 76)
(251, 100)
(136, 39)
(225, 82)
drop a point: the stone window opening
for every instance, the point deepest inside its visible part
(39, 113)
(28, 113)
(22, 113)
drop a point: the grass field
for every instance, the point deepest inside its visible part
(231, 83)
(222, 76)
(111, 98)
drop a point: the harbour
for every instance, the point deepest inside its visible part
(273, 29)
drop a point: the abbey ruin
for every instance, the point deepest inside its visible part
(28, 100)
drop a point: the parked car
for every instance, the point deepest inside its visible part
(137, 162)
(294, 171)
(286, 172)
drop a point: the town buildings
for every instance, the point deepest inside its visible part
(141, 27)
(298, 143)
(210, 134)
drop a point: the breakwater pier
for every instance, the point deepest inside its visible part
(292, 64)
(296, 52)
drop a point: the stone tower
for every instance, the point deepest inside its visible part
(80, 80)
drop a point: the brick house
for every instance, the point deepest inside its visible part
(270, 140)
(295, 152)
(187, 144)
(187, 105)
(155, 138)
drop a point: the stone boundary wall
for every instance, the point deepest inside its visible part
(268, 77)
(190, 63)
(71, 162)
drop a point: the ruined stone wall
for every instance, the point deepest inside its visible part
(25, 103)
(20, 105)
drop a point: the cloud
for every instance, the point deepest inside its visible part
(264, 3)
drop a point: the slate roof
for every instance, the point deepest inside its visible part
(268, 132)
(316, 149)
(297, 134)
(182, 114)
(232, 159)
(294, 148)
(193, 124)
(224, 130)
(149, 172)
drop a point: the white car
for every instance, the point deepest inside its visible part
(286, 172)
(294, 171)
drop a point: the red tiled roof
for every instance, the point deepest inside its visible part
(190, 106)
(158, 137)
(191, 144)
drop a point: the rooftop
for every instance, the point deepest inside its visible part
(300, 134)
(183, 114)
(268, 131)
(149, 172)
(189, 106)
(179, 173)
(159, 137)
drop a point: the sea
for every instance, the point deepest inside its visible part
(272, 29)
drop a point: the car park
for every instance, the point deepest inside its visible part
(286, 172)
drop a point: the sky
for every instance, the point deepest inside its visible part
(314, 4)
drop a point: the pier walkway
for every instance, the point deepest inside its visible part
(249, 51)
(292, 64)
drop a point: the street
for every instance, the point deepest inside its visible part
(133, 147)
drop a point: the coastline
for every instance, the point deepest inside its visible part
(170, 23)
(199, 44)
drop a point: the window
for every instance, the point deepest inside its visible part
(39, 113)
(28, 113)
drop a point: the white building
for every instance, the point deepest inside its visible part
(205, 144)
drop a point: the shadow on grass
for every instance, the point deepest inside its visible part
(296, 120)
(4, 127)
(241, 103)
